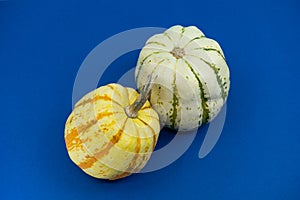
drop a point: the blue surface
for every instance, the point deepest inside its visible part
(42, 45)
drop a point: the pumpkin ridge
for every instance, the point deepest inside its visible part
(151, 117)
(107, 98)
(158, 43)
(127, 94)
(142, 63)
(132, 163)
(154, 69)
(82, 128)
(84, 102)
(116, 138)
(114, 89)
(113, 140)
(144, 161)
(215, 69)
(211, 49)
(83, 147)
(96, 98)
(175, 100)
(145, 157)
(182, 32)
(88, 162)
(103, 152)
(193, 39)
(148, 56)
(205, 113)
(168, 36)
(161, 61)
(70, 137)
(104, 114)
(140, 164)
(152, 130)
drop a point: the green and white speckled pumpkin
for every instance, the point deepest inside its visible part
(192, 76)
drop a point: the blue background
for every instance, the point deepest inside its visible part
(42, 45)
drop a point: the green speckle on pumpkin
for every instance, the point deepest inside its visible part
(175, 101)
(202, 96)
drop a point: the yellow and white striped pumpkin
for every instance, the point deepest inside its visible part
(103, 141)
(193, 77)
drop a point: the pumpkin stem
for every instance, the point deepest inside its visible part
(132, 110)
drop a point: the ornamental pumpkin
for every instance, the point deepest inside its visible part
(193, 77)
(112, 131)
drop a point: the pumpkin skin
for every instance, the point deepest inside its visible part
(192, 76)
(103, 141)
